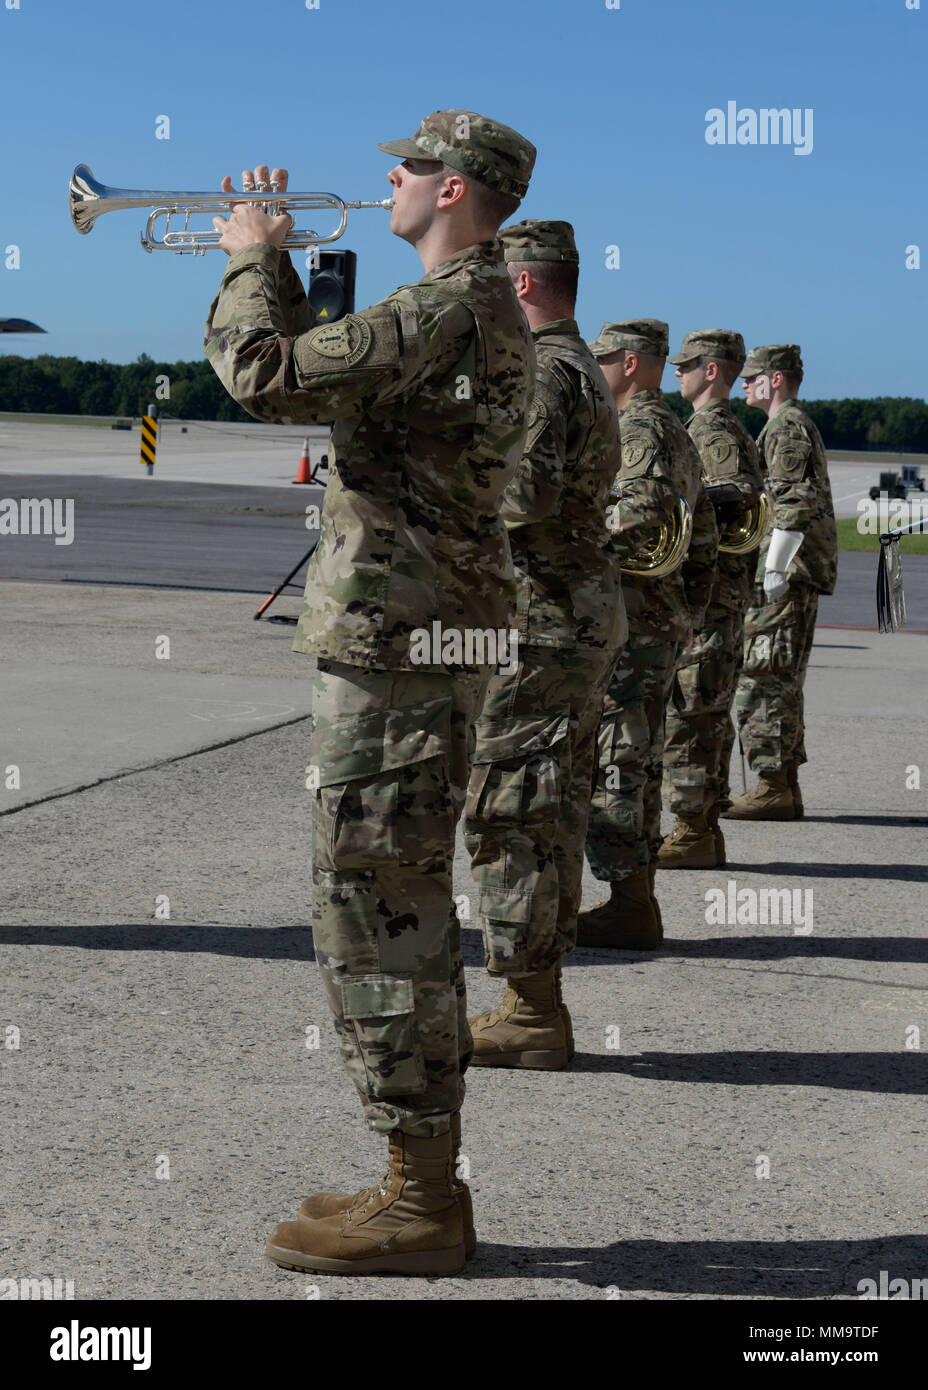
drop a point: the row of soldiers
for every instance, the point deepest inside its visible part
(491, 470)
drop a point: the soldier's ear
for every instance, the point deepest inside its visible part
(451, 189)
(522, 281)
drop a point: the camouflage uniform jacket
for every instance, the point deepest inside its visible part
(567, 572)
(659, 463)
(792, 452)
(730, 462)
(429, 392)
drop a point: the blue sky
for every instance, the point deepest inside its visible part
(783, 247)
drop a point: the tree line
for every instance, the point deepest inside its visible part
(192, 391)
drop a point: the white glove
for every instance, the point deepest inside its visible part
(776, 584)
(784, 546)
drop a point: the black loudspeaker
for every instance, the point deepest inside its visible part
(331, 284)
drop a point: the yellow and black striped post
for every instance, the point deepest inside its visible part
(149, 438)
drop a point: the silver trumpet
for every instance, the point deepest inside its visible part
(90, 200)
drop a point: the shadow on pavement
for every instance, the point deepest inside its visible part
(296, 943)
(907, 873)
(258, 943)
(724, 1268)
(900, 1073)
(887, 948)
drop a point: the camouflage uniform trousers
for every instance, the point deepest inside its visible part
(390, 754)
(699, 731)
(624, 832)
(528, 802)
(769, 705)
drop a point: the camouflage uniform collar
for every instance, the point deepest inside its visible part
(647, 397)
(716, 403)
(557, 326)
(485, 252)
(780, 408)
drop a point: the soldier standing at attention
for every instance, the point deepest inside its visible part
(707, 672)
(798, 561)
(529, 794)
(429, 392)
(659, 464)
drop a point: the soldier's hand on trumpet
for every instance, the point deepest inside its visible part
(248, 223)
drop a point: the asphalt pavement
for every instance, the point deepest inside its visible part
(233, 536)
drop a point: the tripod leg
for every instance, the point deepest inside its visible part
(280, 587)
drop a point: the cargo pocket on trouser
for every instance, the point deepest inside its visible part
(623, 740)
(511, 815)
(770, 640)
(383, 787)
(381, 1009)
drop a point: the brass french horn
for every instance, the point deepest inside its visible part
(744, 534)
(664, 547)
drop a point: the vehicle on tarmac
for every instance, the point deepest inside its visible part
(899, 484)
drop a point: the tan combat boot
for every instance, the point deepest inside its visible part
(629, 921)
(410, 1223)
(792, 773)
(531, 1028)
(712, 817)
(771, 799)
(691, 846)
(330, 1203)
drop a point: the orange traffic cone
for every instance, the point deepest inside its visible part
(304, 474)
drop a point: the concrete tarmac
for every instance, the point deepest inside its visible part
(745, 1115)
(255, 455)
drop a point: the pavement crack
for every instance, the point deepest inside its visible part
(150, 767)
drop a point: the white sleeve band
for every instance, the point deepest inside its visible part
(783, 548)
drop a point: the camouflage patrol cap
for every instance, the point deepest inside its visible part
(780, 357)
(720, 343)
(633, 335)
(539, 241)
(488, 151)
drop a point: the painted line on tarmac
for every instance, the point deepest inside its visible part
(150, 767)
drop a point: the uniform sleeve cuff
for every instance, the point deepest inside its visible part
(258, 253)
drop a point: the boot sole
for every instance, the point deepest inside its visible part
(448, 1261)
(759, 815)
(555, 1060)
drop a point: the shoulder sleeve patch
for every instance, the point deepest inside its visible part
(639, 450)
(348, 339)
(719, 456)
(368, 340)
(544, 406)
(788, 454)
